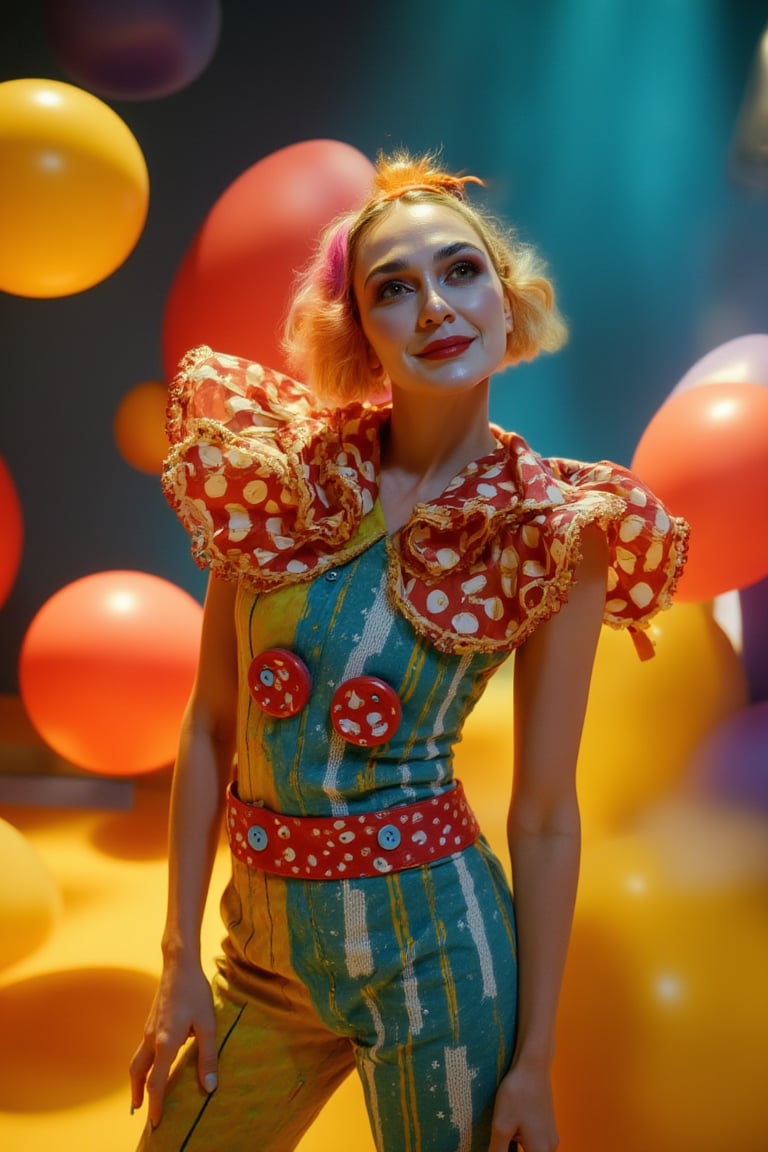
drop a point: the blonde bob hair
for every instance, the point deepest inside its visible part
(323, 338)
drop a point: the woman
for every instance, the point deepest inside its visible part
(372, 564)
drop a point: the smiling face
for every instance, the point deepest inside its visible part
(430, 302)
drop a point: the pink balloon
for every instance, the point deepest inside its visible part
(740, 361)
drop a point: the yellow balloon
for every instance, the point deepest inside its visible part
(30, 903)
(140, 426)
(65, 1037)
(645, 717)
(662, 1036)
(643, 720)
(484, 759)
(74, 189)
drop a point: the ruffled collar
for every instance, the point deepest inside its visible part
(274, 491)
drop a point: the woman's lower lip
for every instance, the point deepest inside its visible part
(446, 351)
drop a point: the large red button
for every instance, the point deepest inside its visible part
(279, 682)
(365, 711)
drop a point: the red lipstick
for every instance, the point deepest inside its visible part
(446, 348)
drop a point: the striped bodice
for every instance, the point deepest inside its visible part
(342, 624)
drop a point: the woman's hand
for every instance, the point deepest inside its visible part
(183, 1007)
(524, 1112)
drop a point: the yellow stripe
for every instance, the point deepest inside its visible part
(399, 916)
(424, 721)
(268, 620)
(409, 1097)
(412, 671)
(500, 904)
(448, 982)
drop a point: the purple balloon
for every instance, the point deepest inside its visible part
(740, 361)
(731, 763)
(754, 629)
(133, 49)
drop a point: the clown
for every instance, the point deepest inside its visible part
(377, 549)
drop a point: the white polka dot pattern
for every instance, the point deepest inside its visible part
(275, 491)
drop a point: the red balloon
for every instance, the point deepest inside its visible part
(705, 453)
(10, 532)
(106, 668)
(233, 285)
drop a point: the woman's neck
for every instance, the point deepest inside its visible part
(429, 440)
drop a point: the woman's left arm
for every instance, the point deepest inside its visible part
(552, 675)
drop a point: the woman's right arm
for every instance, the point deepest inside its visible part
(183, 1004)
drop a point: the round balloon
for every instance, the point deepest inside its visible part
(30, 902)
(754, 626)
(74, 189)
(139, 426)
(233, 285)
(704, 454)
(106, 668)
(730, 764)
(11, 532)
(484, 758)
(743, 360)
(662, 1036)
(133, 49)
(645, 717)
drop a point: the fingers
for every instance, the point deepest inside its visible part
(151, 1065)
(139, 1067)
(149, 1070)
(164, 1055)
(207, 1058)
(500, 1142)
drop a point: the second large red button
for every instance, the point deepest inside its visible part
(366, 711)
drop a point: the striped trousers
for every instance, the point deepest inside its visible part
(410, 978)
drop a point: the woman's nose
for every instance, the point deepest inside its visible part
(434, 307)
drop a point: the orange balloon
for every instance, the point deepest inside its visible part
(704, 454)
(10, 532)
(74, 189)
(662, 1036)
(233, 285)
(106, 668)
(140, 426)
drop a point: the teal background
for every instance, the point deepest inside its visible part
(603, 129)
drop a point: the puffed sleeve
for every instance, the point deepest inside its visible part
(647, 544)
(270, 488)
(482, 567)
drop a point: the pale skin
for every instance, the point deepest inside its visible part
(422, 276)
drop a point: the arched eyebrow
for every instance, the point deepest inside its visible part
(395, 266)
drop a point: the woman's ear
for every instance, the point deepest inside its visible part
(508, 322)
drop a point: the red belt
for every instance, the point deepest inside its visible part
(350, 847)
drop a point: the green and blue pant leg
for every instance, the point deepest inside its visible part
(410, 977)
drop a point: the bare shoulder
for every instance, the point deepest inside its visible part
(594, 552)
